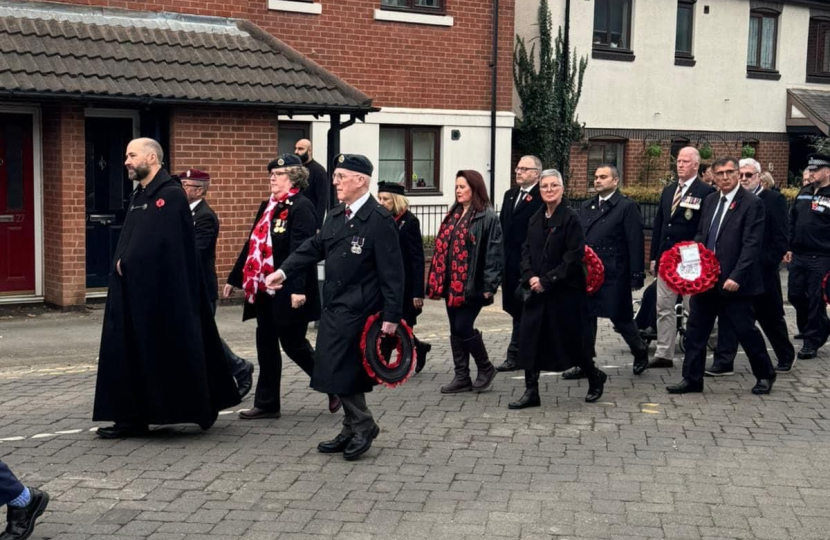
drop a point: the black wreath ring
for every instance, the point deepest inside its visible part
(377, 352)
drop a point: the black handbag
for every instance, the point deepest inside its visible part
(522, 293)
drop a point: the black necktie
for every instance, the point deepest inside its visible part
(711, 240)
(348, 213)
(601, 201)
(519, 198)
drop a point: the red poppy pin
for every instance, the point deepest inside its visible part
(284, 214)
(159, 203)
(733, 205)
(528, 198)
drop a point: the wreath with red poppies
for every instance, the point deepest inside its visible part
(709, 270)
(595, 270)
(375, 347)
(825, 288)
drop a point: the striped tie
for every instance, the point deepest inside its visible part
(677, 196)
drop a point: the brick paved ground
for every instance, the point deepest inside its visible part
(637, 465)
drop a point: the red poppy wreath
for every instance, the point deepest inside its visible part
(692, 276)
(825, 287)
(595, 270)
(375, 348)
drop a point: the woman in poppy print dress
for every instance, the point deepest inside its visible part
(283, 222)
(466, 271)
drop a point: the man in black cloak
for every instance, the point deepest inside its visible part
(161, 359)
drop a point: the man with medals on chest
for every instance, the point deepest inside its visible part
(809, 255)
(676, 221)
(364, 275)
(614, 230)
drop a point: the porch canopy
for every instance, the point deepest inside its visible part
(91, 53)
(808, 110)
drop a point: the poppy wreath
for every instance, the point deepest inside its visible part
(825, 288)
(594, 269)
(451, 250)
(709, 270)
(387, 371)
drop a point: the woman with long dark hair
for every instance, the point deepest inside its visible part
(466, 271)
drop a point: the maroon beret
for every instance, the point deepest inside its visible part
(195, 174)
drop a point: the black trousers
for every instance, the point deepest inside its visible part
(463, 320)
(513, 346)
(272, 332)
(804, 293)
(10, 486)
(237, 364)
(628, 330)
(769, 312)
(705, 308)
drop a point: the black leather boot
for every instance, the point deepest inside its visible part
(531, 396)
(486, 369)
(421, 348)
(461, 358)
(596, 385)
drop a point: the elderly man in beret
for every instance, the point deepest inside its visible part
(809, 255)
(364, 275)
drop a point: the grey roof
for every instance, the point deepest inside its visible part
(85, 52)
(815, 104)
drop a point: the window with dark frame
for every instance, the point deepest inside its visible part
(419, 6)
(818, 50)
(612, 25)
(602, 152)
(410, 155)
(763, 37)
(683, 39)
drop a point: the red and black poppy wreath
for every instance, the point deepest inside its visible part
(709, 270)
(595, 270)
(377, 352)
(825, 287)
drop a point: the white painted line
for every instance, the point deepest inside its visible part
(223, 413)
(42, 435)
(12, 439)
(68, 432)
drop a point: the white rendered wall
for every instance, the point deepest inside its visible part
(652, 93)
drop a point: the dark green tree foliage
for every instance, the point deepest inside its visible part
(549, 93)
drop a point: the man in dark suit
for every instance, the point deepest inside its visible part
(520, 203)
(196, 184)
(24, 505)
(732, 226)
(614, 230)
(319, 189)
(676, 221)
(769, 306)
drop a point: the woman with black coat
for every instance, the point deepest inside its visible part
(466, 271)
(391, 196)
(556, 321)
(282, 223)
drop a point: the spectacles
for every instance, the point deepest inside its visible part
(340, 176)
(522, 170)
(549, 187)
(185, 186)
(724, 174)
(748, 175)
(278, 173)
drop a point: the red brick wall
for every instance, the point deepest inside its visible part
(234, 147)
(397, 64)
(64, 239)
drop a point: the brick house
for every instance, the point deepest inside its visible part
(225, 85)
(720, 75)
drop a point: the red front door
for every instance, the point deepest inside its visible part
(17, 205)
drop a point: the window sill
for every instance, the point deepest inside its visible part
(617, 55)
(685, 61)
(424, 193)
(763, 75)
(818, 79)
(413, 18)
(296, 7)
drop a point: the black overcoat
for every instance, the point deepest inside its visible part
(207, 231)
(556, 325)
(161, 359)
(514, 231)
(318, 190)
(615, 232)
(412, 253)
(669, 229)
(300, 226)
(364, 275)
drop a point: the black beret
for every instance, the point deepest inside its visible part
(285, 160)
(817, 161)
(354, 162)
(390, 187)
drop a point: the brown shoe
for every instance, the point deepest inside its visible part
(334, 403)
(256, 414)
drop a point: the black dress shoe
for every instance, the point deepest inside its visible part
(596, 387)
(122, 430)
(807, 353)
(423, 349)
(763, 386)
(257, 413)
(718, 371)
(334, 403)
(640, 362)
(334, 446)
(360, 443)
(21, 521)
(661, 363)
(246, 380)
(574, 373)
(685, 387)
(785, 367)
(798, 336)
(508, 365)
(529, 399)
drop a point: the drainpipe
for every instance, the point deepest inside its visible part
(493, 95)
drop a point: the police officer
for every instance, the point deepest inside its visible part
(614, 230)
(364, 275)
(809, 255)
